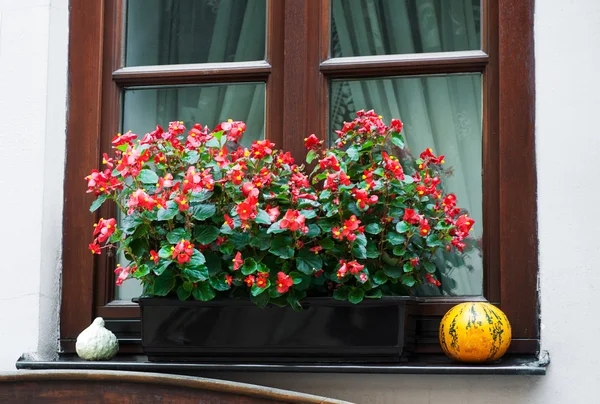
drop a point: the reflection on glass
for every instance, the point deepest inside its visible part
(208, 105)
(384, 27)
(444, 113)
(163, 32)
(205, 104)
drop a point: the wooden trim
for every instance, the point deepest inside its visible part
(275, 84)
(110, 115)
(192, 73)
(518, 203)
(86, 25)
(413, 64)
(491, 165)
(295, 67)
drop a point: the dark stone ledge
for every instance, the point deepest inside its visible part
(425, 364)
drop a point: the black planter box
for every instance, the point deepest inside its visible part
(327, 330)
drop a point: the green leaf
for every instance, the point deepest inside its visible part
(130, 223)
(361, 239)
(280, 246)
(393, 271)
(159, 269)
(197, 259)
(205, 234)
(372, 251)
(309, 214)
(433, 241)
(402, 227)
(261, 300)
(325, 225)
(263, 217)
(399, 250)
(98, 202)
(182, 293)
(250, 266)
(379, 278)
(213, 143)
(122, 147)
(359, 251)
(373, 228)
(397, 140)
(407, 267)
(187, 285)
(142, 270)
(262, 240)
(297, 277)
(169, 213)
(191, 158)
(165, 252)
(308, 262)
(353, 153)
(195, 275)
(139, 247)
(177, 235)
(356, 295)
(313, 231)
(203, 211)
(408, 280)
(140, 231)
(240, 240)
(164, 283)
(275, 229)
(341, 293)
(327, 244)
(200, 196)
(203, 291)
(213, 262)
(255, 291)
(374, 294)
(310, 156)
(325, 194)
(429, 267)
(226, 248)
(148, 177)
(219, 283)
(395, 238)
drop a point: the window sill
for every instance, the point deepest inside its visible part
(527, 365)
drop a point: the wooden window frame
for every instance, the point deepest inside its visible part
(297, 105)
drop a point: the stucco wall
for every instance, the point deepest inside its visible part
(567, 32)
(33, 60)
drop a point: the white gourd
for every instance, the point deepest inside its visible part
(96, 343)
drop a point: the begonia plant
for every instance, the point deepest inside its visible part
(203, 217)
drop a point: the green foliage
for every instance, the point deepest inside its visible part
(205, 234)
(98, 202)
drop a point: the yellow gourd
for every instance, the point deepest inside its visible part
(475, 332)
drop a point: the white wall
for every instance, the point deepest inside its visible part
(567, 36)
(33, 60)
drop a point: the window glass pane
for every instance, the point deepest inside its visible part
(144, 108)
(163, 32)
(443, 113)
(384, 27)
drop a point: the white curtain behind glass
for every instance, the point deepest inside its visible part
(201, 31)
(442, 112)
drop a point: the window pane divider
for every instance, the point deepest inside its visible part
(412, 64)
(192, 73)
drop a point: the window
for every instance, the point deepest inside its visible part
(459, 73)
